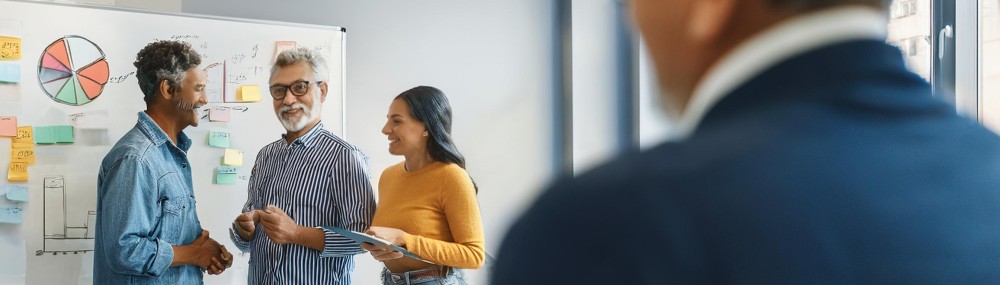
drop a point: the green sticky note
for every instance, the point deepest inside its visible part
(226, 175)
(218, 138)
(45, 135)
(63, 134)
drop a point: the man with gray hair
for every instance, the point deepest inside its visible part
(307, 179)
(808, 154)
(147, 229)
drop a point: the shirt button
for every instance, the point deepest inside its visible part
(184, 165)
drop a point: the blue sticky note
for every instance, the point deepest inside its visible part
(226, 175)
(10, 73)
(45, 135)
(11, 215)
(63, 134)
(218, 138)
(17, 193)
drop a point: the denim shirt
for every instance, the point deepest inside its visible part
(145, 205)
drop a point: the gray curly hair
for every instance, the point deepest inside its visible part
(163, 60)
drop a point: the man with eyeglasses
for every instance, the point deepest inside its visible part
(307, 179)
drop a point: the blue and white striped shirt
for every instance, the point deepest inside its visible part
(319, 179)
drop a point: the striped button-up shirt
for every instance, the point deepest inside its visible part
(319, 179)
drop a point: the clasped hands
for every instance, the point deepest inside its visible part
(210, 255)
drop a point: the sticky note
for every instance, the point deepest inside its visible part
(10, 48)
(234, 157)
(226, 175)
(8, 126)
(280, 46)
(18, 171)
(10, 73)
(17, 193)
(44, 135)
(25, 135)
(249, 93)
(218, 114)
(26, 155)
(63, 134)
(218, 138)
(11, 215)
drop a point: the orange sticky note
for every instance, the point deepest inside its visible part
(10, 48)
(26, 155)
(249, 93)
(25, 135)
(18, 171)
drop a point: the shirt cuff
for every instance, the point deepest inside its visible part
(164, 257)
(242, 245)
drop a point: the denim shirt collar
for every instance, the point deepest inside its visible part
(157, 136)
(309, 138)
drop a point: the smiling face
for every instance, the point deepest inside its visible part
(407, 135)
(298, 112)
(191, 96)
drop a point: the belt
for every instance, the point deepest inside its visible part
(417, 276)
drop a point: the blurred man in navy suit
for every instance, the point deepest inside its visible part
(808, 155)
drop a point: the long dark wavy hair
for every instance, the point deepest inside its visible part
(429, 106)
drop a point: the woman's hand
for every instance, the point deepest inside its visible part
(385, 252)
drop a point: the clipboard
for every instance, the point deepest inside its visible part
(363, 237)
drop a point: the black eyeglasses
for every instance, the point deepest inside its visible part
(298, 88)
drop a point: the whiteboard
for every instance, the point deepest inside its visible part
(63, 181)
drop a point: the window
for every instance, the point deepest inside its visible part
(989, 62)
(910, 30)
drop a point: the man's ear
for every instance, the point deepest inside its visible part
(165, 90)
(323, 89)
(709, 20)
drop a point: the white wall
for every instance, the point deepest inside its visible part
(493, 60)
(595, 113)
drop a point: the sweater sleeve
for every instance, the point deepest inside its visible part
(458, 198)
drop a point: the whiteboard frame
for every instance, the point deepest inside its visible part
(343, 48)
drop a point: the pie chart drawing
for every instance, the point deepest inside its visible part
(73, 71)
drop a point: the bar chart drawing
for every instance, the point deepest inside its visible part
(60, 235)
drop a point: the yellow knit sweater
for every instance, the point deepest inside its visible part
(437, 207)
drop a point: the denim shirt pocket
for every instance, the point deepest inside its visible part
(173, 214)
(175, 206)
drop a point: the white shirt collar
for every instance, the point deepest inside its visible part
(783, 41)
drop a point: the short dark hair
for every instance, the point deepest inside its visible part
(429, 106)
(812, 4)
(163, 60)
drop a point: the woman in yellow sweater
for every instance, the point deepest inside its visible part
(427, 203)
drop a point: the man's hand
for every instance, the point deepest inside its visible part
(278, 226)
(246, 224)
(222, 262)
(206, 251)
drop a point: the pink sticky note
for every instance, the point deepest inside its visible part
(218, 114)
(8, 126)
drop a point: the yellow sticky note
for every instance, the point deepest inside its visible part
(18, 171)
(249, 93)
(10, 48)
(25, 135)
(234, 157)
(26, 155)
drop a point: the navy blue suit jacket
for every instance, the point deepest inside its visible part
(836, 166)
